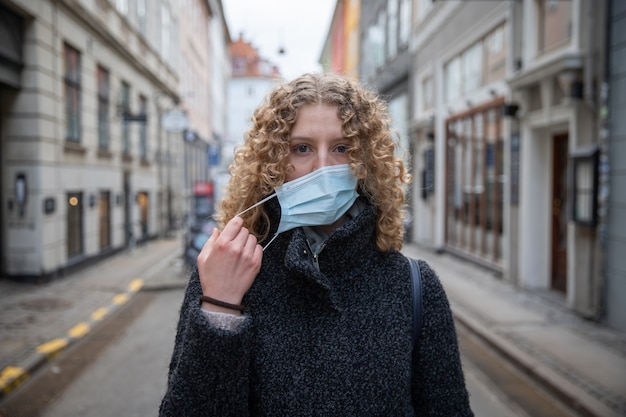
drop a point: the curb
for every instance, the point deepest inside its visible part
(12, 377)
(562, 388)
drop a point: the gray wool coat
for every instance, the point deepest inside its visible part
(324, 336)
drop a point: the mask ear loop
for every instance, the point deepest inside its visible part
(270, 242)
(269, 197)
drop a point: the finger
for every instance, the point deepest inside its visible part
(241, 239)
(206, 248)
(250, 244)
(258, 256)
(215, 233)
(232, 228)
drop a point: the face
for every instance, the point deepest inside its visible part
(316, 140)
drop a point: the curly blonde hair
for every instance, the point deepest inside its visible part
(261, 163)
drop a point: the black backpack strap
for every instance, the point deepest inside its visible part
(416, 283)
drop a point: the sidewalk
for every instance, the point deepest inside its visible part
(582, 363)
(37, 322)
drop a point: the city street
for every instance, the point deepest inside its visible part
(490, 130)
(127, 377)
(121, 367)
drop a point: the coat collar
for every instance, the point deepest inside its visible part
(341, 255)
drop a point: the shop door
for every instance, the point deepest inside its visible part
(74, 225)
(104, 210)
(559, 213)
(128, 204)
(2, 223)
(144, 207)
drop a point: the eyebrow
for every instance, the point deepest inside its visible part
(343, 138)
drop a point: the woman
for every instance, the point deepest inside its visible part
(312, 228)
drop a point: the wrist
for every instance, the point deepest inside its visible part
(214, 304)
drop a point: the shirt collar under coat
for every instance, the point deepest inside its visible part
(342, 253)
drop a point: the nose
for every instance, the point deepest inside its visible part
(322, 160)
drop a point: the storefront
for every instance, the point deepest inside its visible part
(474, 183)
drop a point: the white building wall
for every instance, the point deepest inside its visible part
(33, 135)
(244, 96)
(548, 109)
(442, 31)
(220, 63)
(220, 67)
(535, 189)
(534, 82)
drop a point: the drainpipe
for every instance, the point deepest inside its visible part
(603, 168)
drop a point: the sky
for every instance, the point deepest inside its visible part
(300, 27)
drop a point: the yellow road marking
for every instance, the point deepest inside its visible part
(79, 330)
(120, 299)
(11, 377)
(99, 314)
(52, 347)
(135, 285)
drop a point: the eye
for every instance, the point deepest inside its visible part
(301, 148)
(342, 148)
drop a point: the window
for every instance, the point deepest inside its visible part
(399, 111)
(452, 77)
(71, 80)
(379, 52)
(480, 64)
(405, 22)
(103, 107)
(584, 182)
(424, 7)
(495, 55)
(427, 93)
(125, 107)
(373, 46)
(141, 16)
(143, 129)
(239, 66)
(472, 68)
(122, 6)
(166, 29)
(392, 28)
(555, 24)
(474, 183)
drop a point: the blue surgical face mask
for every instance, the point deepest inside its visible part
(316, 199)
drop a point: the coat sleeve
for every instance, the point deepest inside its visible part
(438, 384)
(208, 372)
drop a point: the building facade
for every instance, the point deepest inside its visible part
(457, 129)
(385, 34)
(251, 80)
(220, 71)
(612, 187)
(508, 128)
(557, 77)
(204, 71)
(508, 132)
(85, 162)
(89, 165)
(340, 52)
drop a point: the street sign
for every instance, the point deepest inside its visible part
(175, 121)
(129, 117)
(214, 156)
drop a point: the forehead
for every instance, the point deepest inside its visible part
(321, 115)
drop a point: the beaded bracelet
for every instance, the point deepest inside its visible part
(215, 302)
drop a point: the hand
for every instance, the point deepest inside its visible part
(228, 264)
